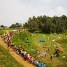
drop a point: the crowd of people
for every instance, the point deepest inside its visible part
(22, 52)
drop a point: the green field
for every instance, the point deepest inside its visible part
(2, 32)
(6, 60)
(35, 45)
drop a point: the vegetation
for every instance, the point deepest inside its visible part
(56, 27)
(47, 24)
(3, 27)
(19, 39)
(17, 25)
(6, 60)
(2, 32)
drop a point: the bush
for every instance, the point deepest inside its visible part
(2, 32)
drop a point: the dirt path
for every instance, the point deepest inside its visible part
(17, 57)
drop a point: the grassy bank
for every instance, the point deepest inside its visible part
(36, 45)
(6, 60)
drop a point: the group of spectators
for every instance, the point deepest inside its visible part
(28, 57)
(6, 38)
(22, 52)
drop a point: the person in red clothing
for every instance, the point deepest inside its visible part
(28, 56)
(31, 59)
(10, 33)
(25, 55)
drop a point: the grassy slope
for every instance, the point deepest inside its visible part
(6, 60)
(37, 45)
(20, 38)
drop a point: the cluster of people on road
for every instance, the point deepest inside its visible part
(6, 38)
(22, 52)
(28, 57)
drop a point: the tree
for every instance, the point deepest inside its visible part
(17, 25)
(47, 24)
(3, 27)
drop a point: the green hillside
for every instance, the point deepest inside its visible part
(6, 60)
(34, 44)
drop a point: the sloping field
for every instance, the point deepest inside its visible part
(35, 44)
(6, 60)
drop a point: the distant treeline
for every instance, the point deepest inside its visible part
(47, 24)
